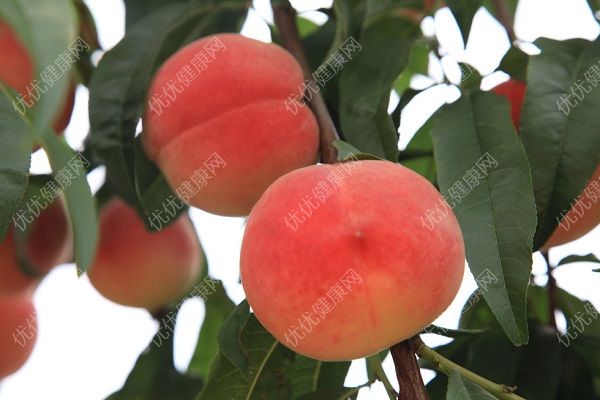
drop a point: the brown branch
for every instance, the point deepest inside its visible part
(505, 18)
(552, 288)
(407, 370)
(285, 20)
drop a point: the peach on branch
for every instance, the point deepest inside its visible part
(337, 263)
(18, 332)
(226, 95)
(139, 268)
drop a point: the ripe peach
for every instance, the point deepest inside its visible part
(138, 268)
(357, 270)
(585, 213)
(47, 243)
(234, 108)
(18, 332)
(17, 71)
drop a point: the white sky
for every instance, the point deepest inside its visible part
(87, 345)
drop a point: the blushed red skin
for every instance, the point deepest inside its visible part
(372, 223)
(135, 267)
(14, 313)
(236, 109)
(47, 244)
(17, 71)
(567, 231)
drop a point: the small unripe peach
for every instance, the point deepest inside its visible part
(224, 96)
(138, 268)
(584, 215)
(17, 316)
(17, 71)
(48, 243)
(337, 263)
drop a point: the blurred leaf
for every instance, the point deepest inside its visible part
(333, 394)
(418, 63)
(263, 379)
(514, 63)
(594, 6)
(230, 337)
(577, 381)
(15, 155)
(591, 257)
(136, 10)
(386, 42)
(463, 389)
(154, 376)
(562, 147)
(47, 29)
(218, 306)
(497, 232)
(464, 12)
(118, 91)
(452, 333)
(581, 316)
(470, 78)
(418, 154)
(347, 152)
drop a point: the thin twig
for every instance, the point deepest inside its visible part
(285, 20)
(551, 290)
(407, 370)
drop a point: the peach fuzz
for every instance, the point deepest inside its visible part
(585, 214)
(138, 268)
(47, 244)
(17, 71)
(370, 226)
(15, 311)
(235, 108)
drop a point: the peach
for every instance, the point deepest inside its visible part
(18, 332)
(585, 213)
(47, 244)
(338, 264)
(232, 109)
(138, 268)
(17, 71)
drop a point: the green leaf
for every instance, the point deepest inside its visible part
(562, 147)
(264, 378)
(47, 29)
(463, 389)
(154, 376)
(452, 333)
(581, 316)
(464, 12)
(15, 155)
(230, 337)
(418, 154)
(135, 10)
(218, 306)
(386, 41)
(475, 145)
(347, 152)
(78, 196)
(591, 257)
(307, 375)
(515, 63)
(333, 394)
(594, 6)
(418, 63)
(118, 91)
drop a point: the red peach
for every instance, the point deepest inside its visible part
(16, 313)
(357, 270)
(235, 109)
(17, 71)
(585, 214)
(47, 243)
(138, 268)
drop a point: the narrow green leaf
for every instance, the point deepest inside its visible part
(386, 41)
(218, 306)
(483, 172)
(348, 152)
(15, 155)
(230, 341)
(562, 139)
(47, 29)
(591, 257)
(463, 389)
(515, 63)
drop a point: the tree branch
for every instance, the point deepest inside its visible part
(407, 370)
(285, 20)
(505, 18)
(551, 291)
(447, 367)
